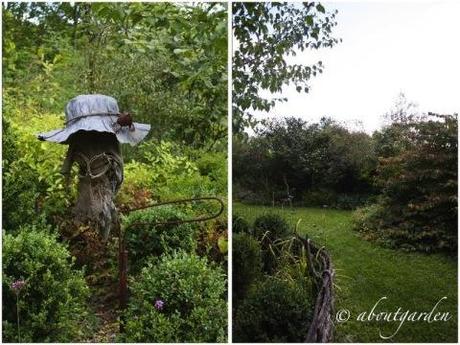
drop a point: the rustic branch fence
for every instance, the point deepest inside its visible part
(322, 275)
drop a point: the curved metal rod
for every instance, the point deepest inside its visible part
(181, 201)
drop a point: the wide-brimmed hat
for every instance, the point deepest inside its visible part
(95, 113)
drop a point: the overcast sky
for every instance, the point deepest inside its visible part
(387, 48)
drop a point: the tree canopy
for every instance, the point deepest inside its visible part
(265, 35)
(305, 158)
(165, 62)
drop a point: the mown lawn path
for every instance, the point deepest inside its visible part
(366, 272)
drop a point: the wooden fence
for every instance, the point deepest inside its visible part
(322, 275)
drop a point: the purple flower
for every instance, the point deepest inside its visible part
(159, 304)
(17, 285)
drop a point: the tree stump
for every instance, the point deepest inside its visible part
(100, 176)
(94, 129)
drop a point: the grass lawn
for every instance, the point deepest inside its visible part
(365, 272)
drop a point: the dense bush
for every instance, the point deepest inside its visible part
(213, 241)
(274, 311)
(178, 298)
(247, 263)
(167, 171)
(144, 239)
(19, 190)
(418, 207)
(240, 225)
(270, 227)
(31, 178)
(52, 303)
(214, 165)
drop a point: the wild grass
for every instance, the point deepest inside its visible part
(366, 272)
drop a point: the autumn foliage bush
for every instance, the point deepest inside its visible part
(418, 207)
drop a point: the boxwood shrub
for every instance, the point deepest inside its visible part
(271, 226)
(240, 225)
(177, 298)
(146, 240)
(274, 311)
(52, 303)
(247, 263)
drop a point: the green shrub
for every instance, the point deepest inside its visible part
(247, 263)
(144, 240)
(193, 185)
(213, 241)
(32, 182)
(193, 293)
(274, 311)
(240, 225)
(52, 303)
(270, 226)
(214, 165)
(19, 190)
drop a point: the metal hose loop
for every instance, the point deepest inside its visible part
(176, 222)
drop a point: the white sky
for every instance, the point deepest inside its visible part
(387, 48)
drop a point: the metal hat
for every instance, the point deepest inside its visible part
(95, 113)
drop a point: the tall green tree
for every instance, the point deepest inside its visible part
(265, 35)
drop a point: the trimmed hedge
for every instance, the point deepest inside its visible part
(52, 303)
(177, 298)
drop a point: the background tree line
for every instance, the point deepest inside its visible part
(319, 164)
(405, 174)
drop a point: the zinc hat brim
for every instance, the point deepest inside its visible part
(103, 123)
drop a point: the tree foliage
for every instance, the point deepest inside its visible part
(292, 156)
(266, 34)
(418, 206)
(164, 62)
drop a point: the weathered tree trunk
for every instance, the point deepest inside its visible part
(100, 177)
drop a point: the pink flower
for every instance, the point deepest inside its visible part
(159, 304)
(17, 285)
